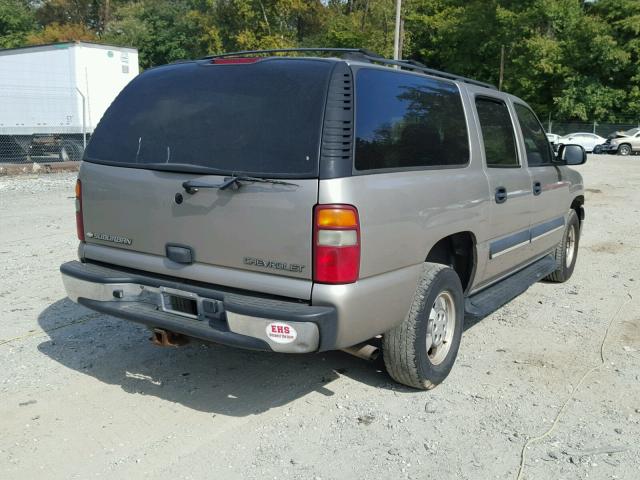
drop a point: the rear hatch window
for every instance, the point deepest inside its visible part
(262, 119)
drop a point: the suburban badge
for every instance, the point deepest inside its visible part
(107, 237)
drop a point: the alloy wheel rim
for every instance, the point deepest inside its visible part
(570, 246)
(440, 327)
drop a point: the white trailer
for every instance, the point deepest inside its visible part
(53, 96)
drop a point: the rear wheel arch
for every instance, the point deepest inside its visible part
(458, 251)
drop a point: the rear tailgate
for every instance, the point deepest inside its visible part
(207, 122)
(259, 227)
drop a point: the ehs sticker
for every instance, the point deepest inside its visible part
(281, 332)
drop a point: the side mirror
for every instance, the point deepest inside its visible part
(571, 155)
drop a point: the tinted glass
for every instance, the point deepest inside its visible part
(405, 121)
(538, 149)
(497, 133)
(261, 118)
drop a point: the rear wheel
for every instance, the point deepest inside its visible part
(567, 250)
(71, 151)
(421, 351)
(624, 149)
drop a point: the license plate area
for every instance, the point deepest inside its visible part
(179, 302)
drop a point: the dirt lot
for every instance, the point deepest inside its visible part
(83, 395)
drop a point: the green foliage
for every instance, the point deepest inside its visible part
(163, 30)
(568, 59)
(65, 32)
(357, 23)
(17, 20)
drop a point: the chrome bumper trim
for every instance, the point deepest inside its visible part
(307, 333)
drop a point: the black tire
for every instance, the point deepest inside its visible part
(404, 348)
(565, 267)
(624, 149)
(71, 151)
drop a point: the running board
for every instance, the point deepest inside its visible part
(487, 301)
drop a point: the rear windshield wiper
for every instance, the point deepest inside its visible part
(233, 182)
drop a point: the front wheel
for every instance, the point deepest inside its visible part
(624, 149)
(567, 250)
(421, 351)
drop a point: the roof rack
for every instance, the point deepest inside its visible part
(366, 55)
(421, 67)
(361, 51)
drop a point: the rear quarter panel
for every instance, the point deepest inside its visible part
(404, 214)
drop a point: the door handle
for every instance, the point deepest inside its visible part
(537, 188)
(501, 195)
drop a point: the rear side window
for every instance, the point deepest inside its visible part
(497, 133)
(535, 140)
(263, 118)
(405, 121)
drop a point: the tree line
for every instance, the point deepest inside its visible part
(570, 59)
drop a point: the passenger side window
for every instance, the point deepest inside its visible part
(497, 133)
(538, 149)
(408, 121)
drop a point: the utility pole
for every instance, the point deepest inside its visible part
(396, 40)
(501, 68)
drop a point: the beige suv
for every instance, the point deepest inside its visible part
(305, 204)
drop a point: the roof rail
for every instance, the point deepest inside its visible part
(361, 51)
(421, 67)
(366, 55)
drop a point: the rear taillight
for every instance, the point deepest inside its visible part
(79, 221)
(336, 244)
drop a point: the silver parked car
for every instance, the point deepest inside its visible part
(305, 204)
(623, 143)
(588, 141)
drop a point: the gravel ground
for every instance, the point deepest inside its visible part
(84, 395)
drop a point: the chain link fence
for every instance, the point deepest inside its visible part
(42, 124)
(603, 129)
(41, 148)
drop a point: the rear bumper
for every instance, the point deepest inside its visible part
(227, 316)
